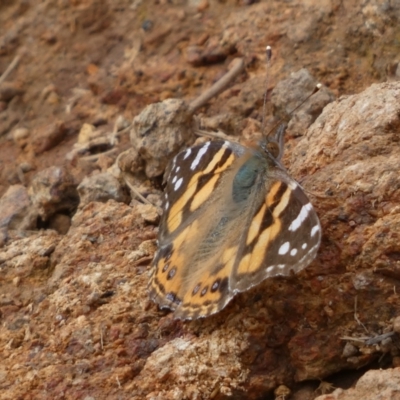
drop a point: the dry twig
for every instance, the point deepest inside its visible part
(7, 72)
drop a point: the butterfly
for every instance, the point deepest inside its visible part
(232, 217)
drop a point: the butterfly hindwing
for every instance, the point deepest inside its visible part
(284, 235)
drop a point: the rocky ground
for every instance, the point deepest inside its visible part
(80, 187)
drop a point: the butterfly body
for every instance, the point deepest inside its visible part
(232, 218)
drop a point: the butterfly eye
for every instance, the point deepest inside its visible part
(274, 144)
(273, 149)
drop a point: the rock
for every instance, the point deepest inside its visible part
(282, 391)
(47, 137)
(101, 187)
(129, 161)
(277, 332)
(24, 266)
(15, 209)
(213, 52)
(8, 119)
(349, 350)
(8, 90)
(159, 132)
(53, 191)
(396, 325)
(306, 392)
(121, 123)
(20, 136)
(77, 323)
(373, 385)
(148, 212)
(203, 5)
(87, 133)
(60, 223)
(185, 359)
(291, 92)
(25, 167)
(145, 249)
(354, 158)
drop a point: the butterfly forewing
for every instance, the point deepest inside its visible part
(232, 217)
(193, 188)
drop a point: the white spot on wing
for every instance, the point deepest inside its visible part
(174, 179)
(199, 155)
(303, 214)
(284, 248)
(304, 246)
(293, 252)
(187, 153)
(178, 168)
(178, 184)
(166, 205)
(314, 230)
(293, 185)
(309, 256)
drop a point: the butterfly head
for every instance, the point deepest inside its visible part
(274, 144)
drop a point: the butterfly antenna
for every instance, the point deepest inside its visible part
(318, 86)
(268, 53)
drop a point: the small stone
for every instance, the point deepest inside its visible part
(49, 37)
(26, 167)
(121, 123)
(60, 223)
(282, 392)
(386, 345)
(349, 350)
(159, 132)
(147, 25)
(53, 191)
(20, 136)
(148, 212)
(144, 250)
(101, 188)
(328, 311)
(396, 325)
(104, 162)
(155, 198)
(396, 362)
(194, 56)
(129, 161)
(15, 209)
(47, 90)
(48, 137)
(203, 5)
(53, 98)
(87, 133)
(8, 90)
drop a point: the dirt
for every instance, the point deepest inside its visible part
(90, 61)
(101, 63)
